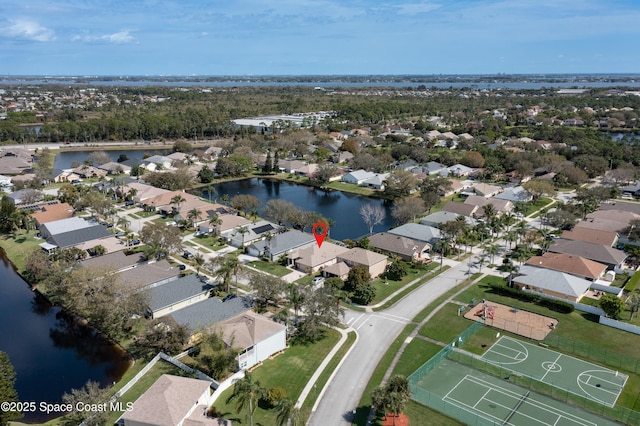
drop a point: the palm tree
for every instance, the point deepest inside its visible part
(178, 200)
(246, 392)
(492, 250)
(193, 215)
(295, 299)
(225, 199)
(243, 230)
(226, 268)
(123, 223)
(199, 260)
(214, 221)
(286, 412)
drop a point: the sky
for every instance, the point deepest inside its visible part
(318, 37)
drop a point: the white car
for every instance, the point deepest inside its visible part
(317, 281)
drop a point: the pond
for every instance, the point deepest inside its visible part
(50, 354)
(66, 159)
(342, 207)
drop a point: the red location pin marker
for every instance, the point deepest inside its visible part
(320, 231)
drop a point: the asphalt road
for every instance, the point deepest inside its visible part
(376, 330)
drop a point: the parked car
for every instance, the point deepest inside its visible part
(133, 242)
(182, 267)
(229, 297)
(317, 281)
(187, 254)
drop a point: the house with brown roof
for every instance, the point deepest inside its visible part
(311, 259)
(603, 224)
(485, 190)
(339, 269)
(52, 212)
(461, 209)
(596, 236)
(500, 206)
(170, 401)
(256, 336)
(86, 171)
(611, 257)
(143, 191)
(114, 168)
(376, 263)
(406, 248)
(570, 264)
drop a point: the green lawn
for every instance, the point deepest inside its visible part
(384, 287)
(445, 325)
(146, 214)
(534, 206)
(272, 268)
(18, 245)
(417, 352)
(290, 371)
(212, 241)
(435, 270)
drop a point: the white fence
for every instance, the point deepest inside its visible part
(223, 386)
(607, 289)
(620, 325)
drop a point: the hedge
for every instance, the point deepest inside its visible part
(633, 282)
(554, 305)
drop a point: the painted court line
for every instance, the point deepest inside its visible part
(548, 370)
(538, 405)
(516, 357)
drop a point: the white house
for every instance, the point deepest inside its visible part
(257, 337)
(357, 177)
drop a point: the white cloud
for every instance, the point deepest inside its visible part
(28, 30)
(121, 37)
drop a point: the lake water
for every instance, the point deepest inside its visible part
(50, 356)
(66, 159)
(342, 207)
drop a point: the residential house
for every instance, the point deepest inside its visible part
(342, 157)
(516, 194)
(500, 206)
(377, 181)
(229, 223)
(52, 212)
(150, 274)
(460, 170)
(631, 190)
(551, 283)
(280, 244)
(485, 190)
(611, 257)
(5, 183)
(15, 161)
(255, 336)
(177, 294)
(455, 187)
(210, 312)
(307, 170)
(24, 178)
(66, 176)
(114, 168)
(171, 401)
(419, 232)
(405, 248)
(376, 263)
(67, 232)
(253, 232)
(312, 258)
(17, 197)
(438, 218)
(357, 177)
(574, 265)
(290, 166)
(156, 162)
(178, 157)
(462, 209)
(435, 168)
(142, 191)
(596, 236)
(338, 269)
(87, 172)
(116, 261)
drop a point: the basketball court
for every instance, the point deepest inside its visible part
(574, 375)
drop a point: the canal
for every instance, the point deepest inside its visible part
(342, 207)
(50, 354)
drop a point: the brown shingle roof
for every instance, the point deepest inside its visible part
(248, 328)
(361, 256)
(596, 236)
(53, 212)
(313, 256)
(596, 252)
(460, 208)
(574, 265)
(397, 244)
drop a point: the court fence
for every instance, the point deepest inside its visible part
(594, 353)
(450, 352)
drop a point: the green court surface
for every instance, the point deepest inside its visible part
(579, 377)
(477, 398)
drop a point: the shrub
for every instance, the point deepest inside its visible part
(273, 395)
(633, 282)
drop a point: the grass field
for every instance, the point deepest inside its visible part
(445, 325)
(386, 287)
(272, 268)
(18, 245)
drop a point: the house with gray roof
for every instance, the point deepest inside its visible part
(376, 182)
(206, 313)
(460, 170)
(118, 261)
(611, 257)
(150, 274)
(516, 194)
(419, 232)
(357, 177)
(281, 244)
(552, 283)
(156, 162)
(438, 218)
(70, 232)
(406, 248)
(254, 232)
(178, 293)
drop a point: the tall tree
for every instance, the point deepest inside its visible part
(400, 183)
(224, 269)
(167, 238)
(177, 201)
(245, 203)
(246, 393)
(90, 394)
(8, 392)
(407, 209)
(372, 215)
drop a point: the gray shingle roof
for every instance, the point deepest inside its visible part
(419, 232)
(149, 273)
(596, 252)
(66, 225)
(210, 311)
(551, 280)
(78, 236)
(284, 242)
(176, 291)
